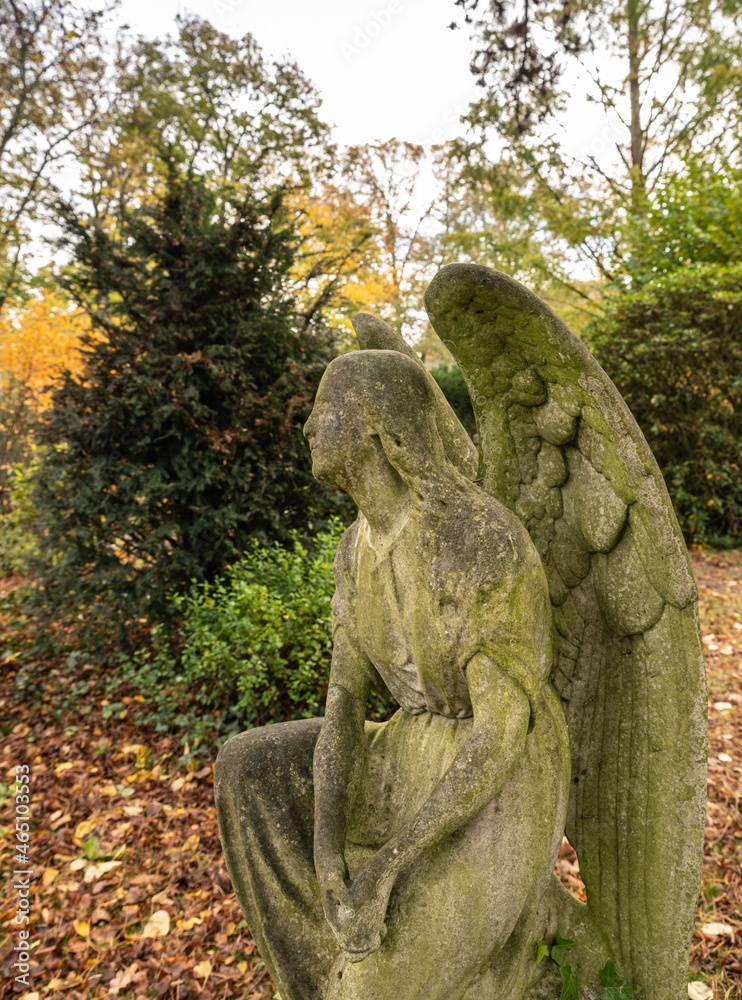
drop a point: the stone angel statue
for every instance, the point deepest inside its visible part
(534, 615)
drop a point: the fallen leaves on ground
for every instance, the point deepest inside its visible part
(129, 894)
(717, 943)
(130, 897)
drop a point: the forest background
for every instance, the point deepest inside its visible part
(182, 244)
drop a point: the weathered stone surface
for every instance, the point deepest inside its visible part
(624, 596)
(414, 858)
(596, 514)
(441, 599)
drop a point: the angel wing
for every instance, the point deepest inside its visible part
(560, 448)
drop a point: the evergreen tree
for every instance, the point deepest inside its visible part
(182, 438)
(674, 349)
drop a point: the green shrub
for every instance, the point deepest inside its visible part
(258, 641)
(674, 349)
(255, 646)
(454, 388)
(19, 542)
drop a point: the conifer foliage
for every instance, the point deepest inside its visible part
(182, 438)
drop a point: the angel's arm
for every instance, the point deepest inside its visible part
(478, 772)
(337, 761)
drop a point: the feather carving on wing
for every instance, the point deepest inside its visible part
(559, 447)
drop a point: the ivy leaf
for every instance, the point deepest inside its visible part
(543, 951)
(562, 945)
(91, 848)
(614, 984)
(570, 982)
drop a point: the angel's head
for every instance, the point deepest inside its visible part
(374, 412)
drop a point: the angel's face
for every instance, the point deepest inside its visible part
(339, 436)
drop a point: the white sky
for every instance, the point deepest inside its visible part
(384, 69)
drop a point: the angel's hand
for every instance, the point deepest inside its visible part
(335, 898)
(363, 909)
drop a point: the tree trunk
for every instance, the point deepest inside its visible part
(638, 181)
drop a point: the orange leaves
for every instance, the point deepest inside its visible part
(126, 977)
(84, 829)
(182, 781)
(336, 229)
(50, 874)
(82, 927)
(568, 870)
(38, 342)
(189, 924)
(130, 894)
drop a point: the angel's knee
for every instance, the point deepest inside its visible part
(240, 767)
(259, 764)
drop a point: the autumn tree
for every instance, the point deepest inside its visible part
(209, 102)
(52, 69)
(217, 106)
(663, 74)
(202, 256)
(39, 339)
(385, 179)
(413, 234)
(492, 217)
(336, 271)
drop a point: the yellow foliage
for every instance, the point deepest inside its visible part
(37, 342)
(340, 241)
